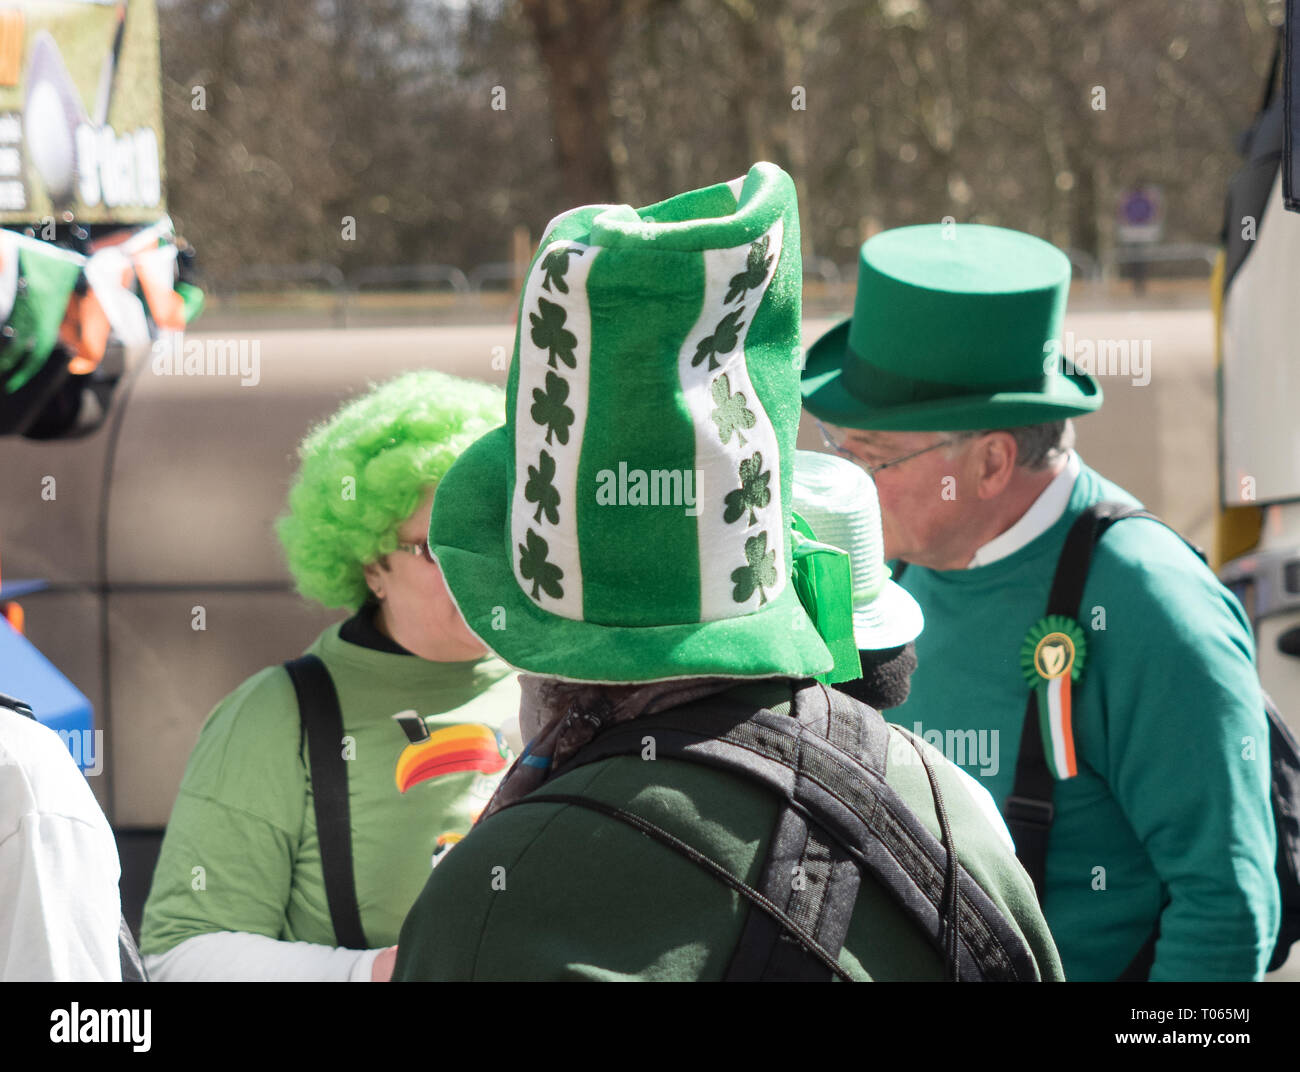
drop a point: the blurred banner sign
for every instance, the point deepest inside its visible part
(80, 112)
(1141, 216)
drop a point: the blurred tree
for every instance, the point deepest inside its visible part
(577, 39)
(381, 112)
(440, 126)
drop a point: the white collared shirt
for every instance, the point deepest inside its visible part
(1045, 512)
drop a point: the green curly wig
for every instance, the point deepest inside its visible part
(365, 470)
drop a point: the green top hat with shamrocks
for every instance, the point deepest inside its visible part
(955, 327)
(631, 520)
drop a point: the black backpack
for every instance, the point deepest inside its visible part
(840, 823)
(1029, 810)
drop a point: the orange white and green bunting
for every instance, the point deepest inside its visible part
(131, 293)
(1051, 659)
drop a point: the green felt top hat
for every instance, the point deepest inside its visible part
(955, 327)
(631, 520)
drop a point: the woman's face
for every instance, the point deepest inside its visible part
(416, 610)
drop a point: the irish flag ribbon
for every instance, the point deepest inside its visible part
(1051, 659)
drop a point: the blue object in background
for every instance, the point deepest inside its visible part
(17, 589)
(27, 675)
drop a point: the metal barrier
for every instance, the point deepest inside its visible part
(229, 287)
(505, 274)
(411, 273)
(497, 271)
(1163, 254)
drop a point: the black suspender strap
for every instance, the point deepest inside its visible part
(322, 721)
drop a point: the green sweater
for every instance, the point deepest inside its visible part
(1171, 800)
(241, 851)
(551, 892)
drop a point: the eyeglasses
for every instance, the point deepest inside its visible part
(422, 549)
(872, 470)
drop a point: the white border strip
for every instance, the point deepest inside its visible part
(530, 438)
(722, 545)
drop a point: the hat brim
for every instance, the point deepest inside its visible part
(469, 537)
(1067, 394)
(890, 620)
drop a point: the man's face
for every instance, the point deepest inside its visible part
(924, 500)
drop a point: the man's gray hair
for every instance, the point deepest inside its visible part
(1037, 445)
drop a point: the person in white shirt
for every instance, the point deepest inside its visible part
(60, 908)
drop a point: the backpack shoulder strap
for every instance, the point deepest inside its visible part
(1076, 556)
(806, 872)
(18, 707)
(855, 824)
(1030, 810)
(322, 721)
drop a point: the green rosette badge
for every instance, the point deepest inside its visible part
(1052, 657)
